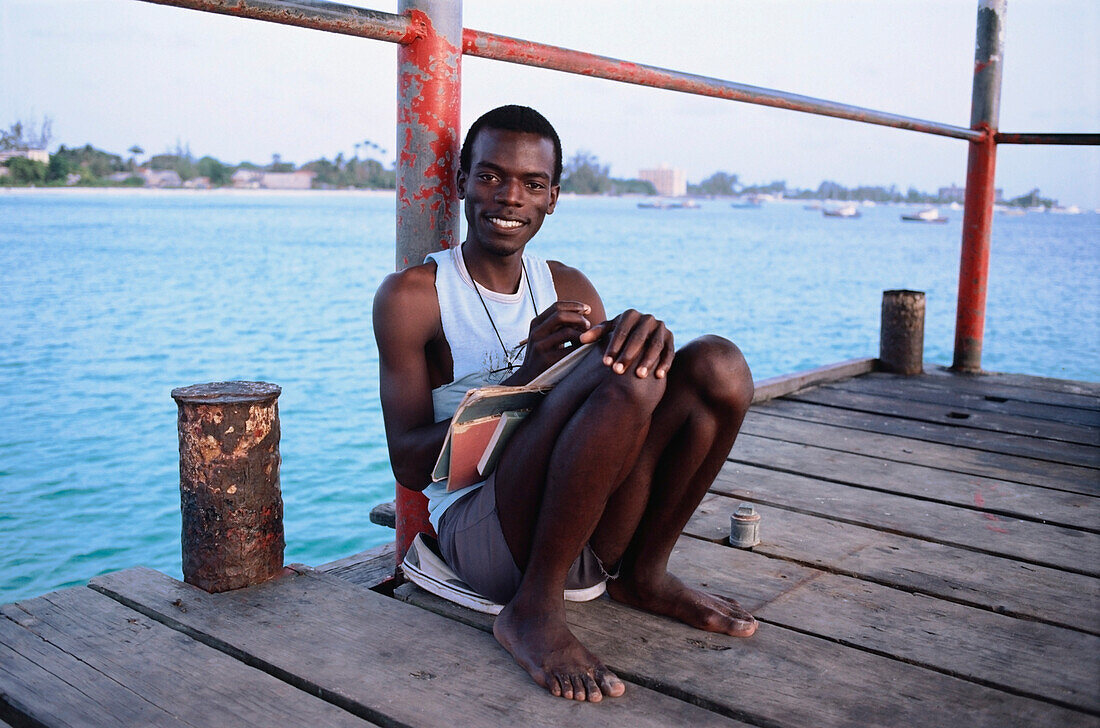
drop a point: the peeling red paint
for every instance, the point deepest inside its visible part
(1054, 138)
(428, 93)
(979, 500)
(428, 119)
(974, 256)
(362, 22)
(514, 50)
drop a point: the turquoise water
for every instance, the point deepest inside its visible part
(111, 300)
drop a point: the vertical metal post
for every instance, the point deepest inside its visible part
(428, 103)
(901, 336)
(230, 498)
(980, 172)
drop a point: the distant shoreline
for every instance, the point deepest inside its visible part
(164, 191)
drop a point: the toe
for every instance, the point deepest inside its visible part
(566, 686)
(591, 689)
(579, 693)
(610, 683)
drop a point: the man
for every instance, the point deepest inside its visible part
(599, 480)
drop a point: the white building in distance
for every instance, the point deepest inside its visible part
(258, 179)
(668, 181)
(35, 155)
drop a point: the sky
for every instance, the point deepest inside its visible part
(115, 73)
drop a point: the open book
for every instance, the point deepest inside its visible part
(485, 419)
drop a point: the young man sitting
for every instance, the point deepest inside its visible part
(598, 482)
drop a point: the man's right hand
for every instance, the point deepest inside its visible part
(565, 322)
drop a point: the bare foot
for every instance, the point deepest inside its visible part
(543, 646)
(670, 597)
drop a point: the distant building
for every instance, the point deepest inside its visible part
(35, 155)
(669, 182)
(258, 179)
(300, 180)
(197, 183)
(247, 178)
(160, 177)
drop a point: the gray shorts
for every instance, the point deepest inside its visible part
(473, 546)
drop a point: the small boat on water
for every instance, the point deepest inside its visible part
(928, 214)
(669, 205)
(843, 211)
(747, 203)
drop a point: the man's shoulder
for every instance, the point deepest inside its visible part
(413, 282)
(569, 281)
(407, 301)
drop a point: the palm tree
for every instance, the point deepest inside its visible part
(135, 151)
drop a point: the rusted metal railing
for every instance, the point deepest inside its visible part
(432, 41)
(977, 226)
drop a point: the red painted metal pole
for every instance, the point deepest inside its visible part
(541, 55)
(1043, 138)
(316, 14)
(980, 183)
(428, 104)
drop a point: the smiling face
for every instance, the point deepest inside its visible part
(508, 190)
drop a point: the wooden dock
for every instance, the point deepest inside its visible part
(929, 557)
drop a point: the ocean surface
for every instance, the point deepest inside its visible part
(111, 299)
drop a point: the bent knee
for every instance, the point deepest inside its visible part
(628, 389)
(717, 370)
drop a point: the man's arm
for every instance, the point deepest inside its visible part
(406, 320)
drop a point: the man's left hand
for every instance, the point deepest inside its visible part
(638, 342)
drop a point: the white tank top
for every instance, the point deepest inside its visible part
(479, 359)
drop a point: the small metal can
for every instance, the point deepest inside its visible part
(745, 527)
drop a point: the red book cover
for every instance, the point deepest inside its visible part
(468, 442)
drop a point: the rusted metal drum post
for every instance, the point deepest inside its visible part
(901, 342)
(428, 104)
(229, 484)
(985, 103)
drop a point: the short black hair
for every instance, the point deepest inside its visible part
(512, 118)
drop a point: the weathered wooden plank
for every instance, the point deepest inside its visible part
(990, 386)
(1037, 543)
(764, 423)
(41, 684)
(957, 416)
(773, 387)
(1001, 585)
(1067, 386)
(157, 675)
(384, 514)
(780, 677)
(954, 398)
(367, 568)
(943, 486)
(1048, 662)
(997, 442)
(362, 650)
